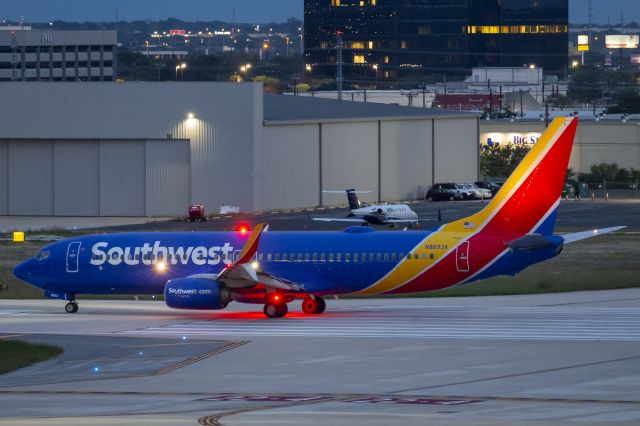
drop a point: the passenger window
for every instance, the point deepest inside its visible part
(355, 257)
(378, 257)
(323, 257)
(386, 256)
(277, 257)
(269, 257)
(307, 257)
(424, 256)
(393, 256)
(347, 257)
(260, 257)
(339, 257)
(364, 257)
(371, 257)
(431, 256)
(330, 257)
(416, 256)
(315, 257)
(409, 256)
(292, 257)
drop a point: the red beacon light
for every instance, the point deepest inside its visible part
(243, 229)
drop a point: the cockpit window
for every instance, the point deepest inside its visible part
(43, 254)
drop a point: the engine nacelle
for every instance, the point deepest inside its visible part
(196, 293)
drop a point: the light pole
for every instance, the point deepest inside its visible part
(180, 68)
(375, 73)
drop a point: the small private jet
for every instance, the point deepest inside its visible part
(375, 214)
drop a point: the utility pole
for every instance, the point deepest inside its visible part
(339, 64)
(521, 106)
(14, 56)
(423, 86)
(490, 98)
(590, 18)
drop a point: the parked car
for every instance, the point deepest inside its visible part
(443, 192)
(494, 187)
(478, 192)
(466, 190)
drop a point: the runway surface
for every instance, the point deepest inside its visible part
(570, 358)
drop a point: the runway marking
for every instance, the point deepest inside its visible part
(316, 396)
(10, 336)
(198, 358)
(431, 322)
(205, 342)
(527, 373)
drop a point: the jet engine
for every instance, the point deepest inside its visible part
(196, 293)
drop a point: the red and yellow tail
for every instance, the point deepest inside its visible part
(528, 199)
(526, 203)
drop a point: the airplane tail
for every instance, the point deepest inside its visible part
(528, 201)
(352, 197)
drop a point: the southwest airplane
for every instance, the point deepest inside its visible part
(376, 214)
(207, 270)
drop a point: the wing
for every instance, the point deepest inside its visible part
(346, 219)
(409, 220)
(245, 273)
(578, 236)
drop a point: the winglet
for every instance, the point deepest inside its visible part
(251, 247)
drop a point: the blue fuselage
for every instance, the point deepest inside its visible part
(322, 262)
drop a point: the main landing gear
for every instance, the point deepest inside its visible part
(277, 307)
(313, 305)
(72, 306)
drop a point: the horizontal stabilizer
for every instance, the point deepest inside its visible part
(578, 236)
(530, 242)
(352, 191)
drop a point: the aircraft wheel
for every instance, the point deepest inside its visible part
(309, 306)
(451, 198)
(273, 310)
(322, 305)
(71, 308)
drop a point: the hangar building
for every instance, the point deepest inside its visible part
(151, 149)
(607, 140)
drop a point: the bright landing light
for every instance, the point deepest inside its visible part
(254, 265)
(161, 266)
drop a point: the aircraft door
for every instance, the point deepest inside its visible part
(462, 256)
(73, 252)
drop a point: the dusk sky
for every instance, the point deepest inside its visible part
(246, 10)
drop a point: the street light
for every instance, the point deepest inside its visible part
(574, 64)
(308, 67)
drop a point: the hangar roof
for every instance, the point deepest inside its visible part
(287, 109)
